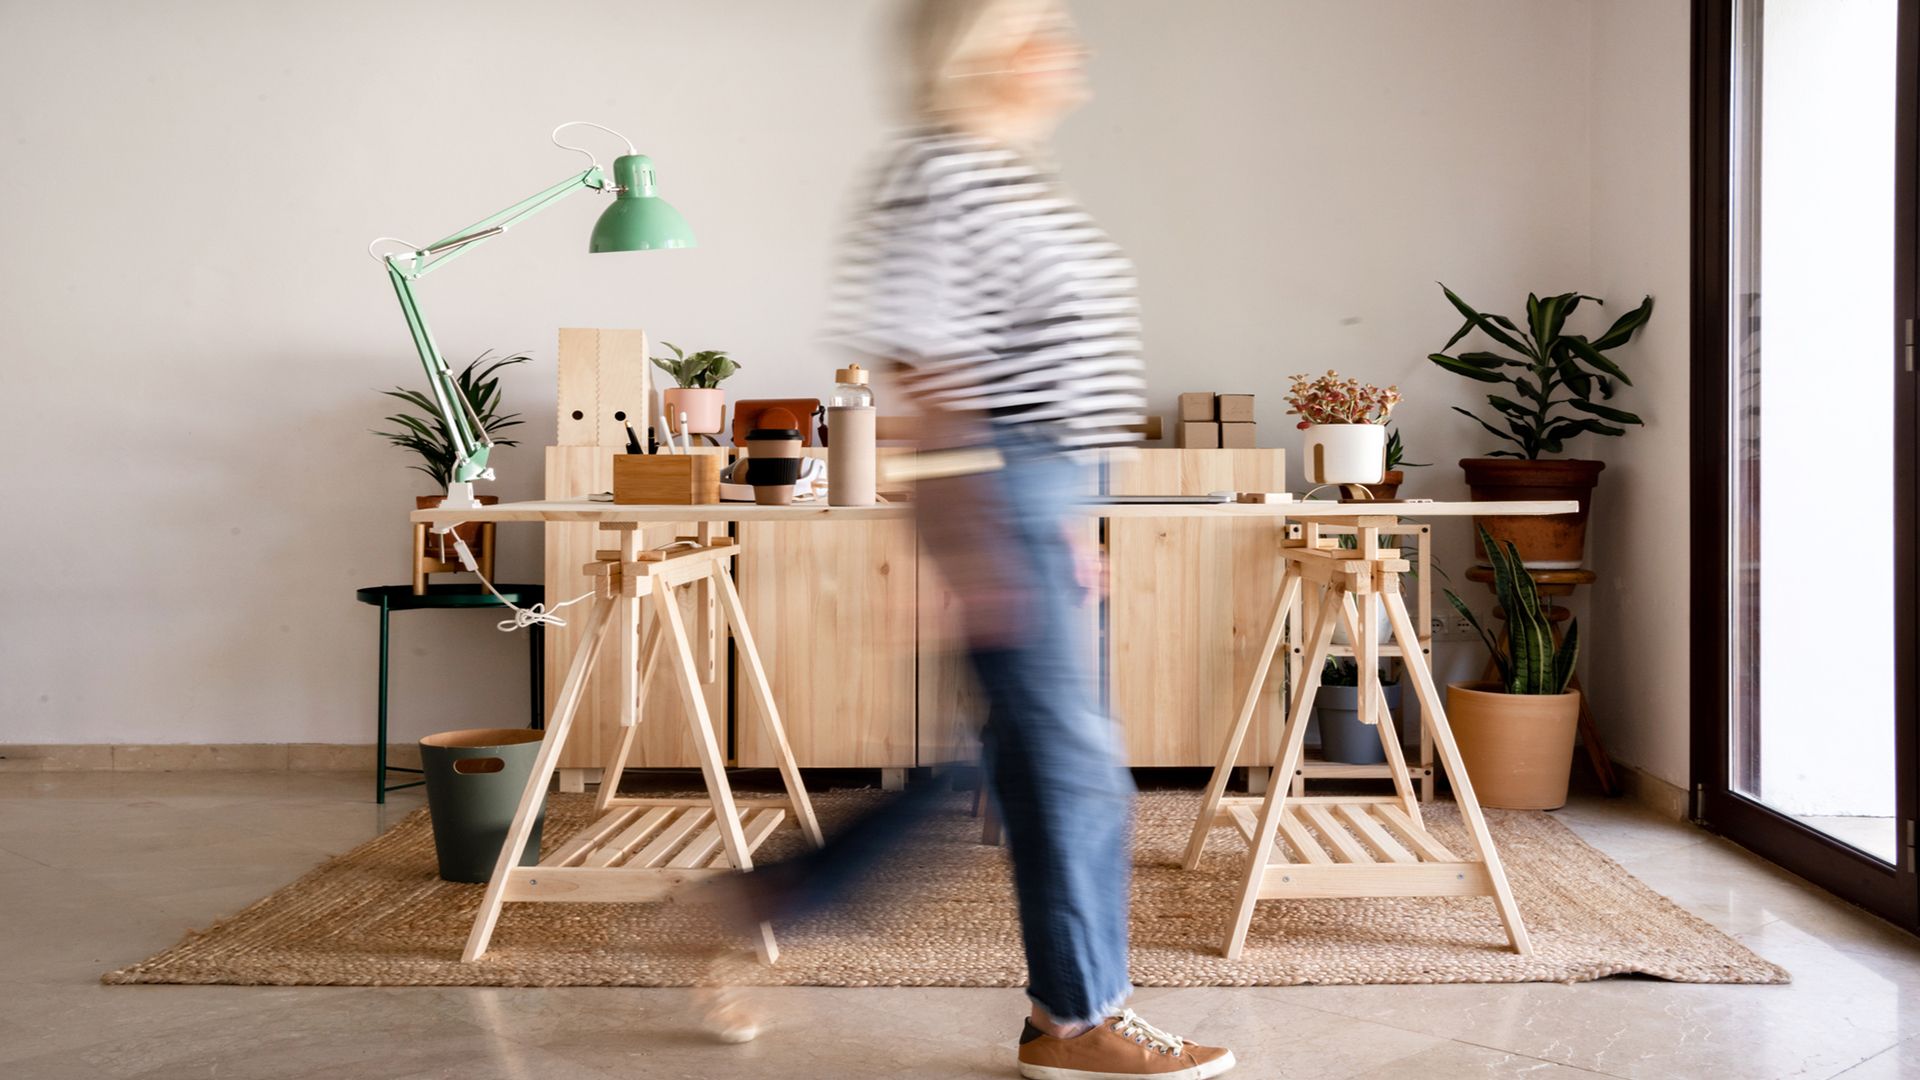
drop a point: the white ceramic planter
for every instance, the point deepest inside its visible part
(1344, 453)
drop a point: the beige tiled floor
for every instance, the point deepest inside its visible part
(98, 869)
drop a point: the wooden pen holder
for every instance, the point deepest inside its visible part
(666, 479)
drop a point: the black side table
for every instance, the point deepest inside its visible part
(391, 598)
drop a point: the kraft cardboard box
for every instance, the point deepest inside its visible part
(1197, 435)
(1235, 408)
(1196, 408)
(1236, 436)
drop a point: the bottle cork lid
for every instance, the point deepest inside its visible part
(853, 373)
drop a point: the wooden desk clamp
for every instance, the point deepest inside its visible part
(640, 848)
(1338, 846)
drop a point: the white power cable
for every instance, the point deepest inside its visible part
(591, 156)
(537, 615)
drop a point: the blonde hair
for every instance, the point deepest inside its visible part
(947, 42)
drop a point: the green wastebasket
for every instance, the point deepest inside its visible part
(474, 782)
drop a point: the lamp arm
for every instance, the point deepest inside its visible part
(471, 443)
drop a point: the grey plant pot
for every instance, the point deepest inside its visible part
(1343, 738)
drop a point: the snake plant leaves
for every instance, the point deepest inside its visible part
(1569, 655)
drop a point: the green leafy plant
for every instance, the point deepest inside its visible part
(1529, 664)
(1397, 452)
(1550, 363)
(704, 370)
(1345, 671)
(427, 435)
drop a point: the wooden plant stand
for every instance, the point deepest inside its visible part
(1421, 767)
(1338, 846)
(642, 849)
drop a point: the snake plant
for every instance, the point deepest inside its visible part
(1529, 664)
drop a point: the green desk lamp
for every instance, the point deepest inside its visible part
(637, 220)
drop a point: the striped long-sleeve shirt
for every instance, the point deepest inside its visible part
(999, 294)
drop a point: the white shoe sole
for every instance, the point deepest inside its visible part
(1197, 1072)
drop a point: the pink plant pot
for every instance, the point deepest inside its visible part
(706, 409)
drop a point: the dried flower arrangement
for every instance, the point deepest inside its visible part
(1330, 399)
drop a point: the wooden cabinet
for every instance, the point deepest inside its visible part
(857, 632)
(832, 608)
(1189, 600)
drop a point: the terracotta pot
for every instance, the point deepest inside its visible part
(468, 531)
(1558, 542)
(1388, 488)
(706, 409)
(1343, 453)
(1518, 748)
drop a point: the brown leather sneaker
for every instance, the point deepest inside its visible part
(1118, 1048)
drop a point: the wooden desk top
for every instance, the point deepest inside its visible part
(612, 513)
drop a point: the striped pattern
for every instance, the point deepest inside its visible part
(999, 294)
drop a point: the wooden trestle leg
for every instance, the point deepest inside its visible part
(643, 848)
(1300, 847)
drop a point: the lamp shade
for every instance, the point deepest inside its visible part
(638, 220)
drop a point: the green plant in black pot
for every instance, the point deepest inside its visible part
(1343, 737)
(1393, 477)
(1558, 381)
(1516, 735)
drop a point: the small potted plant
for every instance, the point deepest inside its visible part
(1336, 706)
(696, 390)
(1550, 371)
(1516, 735)
(1344, 421)
(1389, 486)
(425, 434)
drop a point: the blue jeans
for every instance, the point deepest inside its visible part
(1050, 754)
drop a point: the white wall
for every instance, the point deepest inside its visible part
(195, 336)
(1637, 633)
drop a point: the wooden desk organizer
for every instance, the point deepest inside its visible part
(666, 479)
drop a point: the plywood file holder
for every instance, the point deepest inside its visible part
(1338, 846)
(641, 849)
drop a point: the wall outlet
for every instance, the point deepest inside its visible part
(1452, 626)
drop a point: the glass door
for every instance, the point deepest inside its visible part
(1805, 160)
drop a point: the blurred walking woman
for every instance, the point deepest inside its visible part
(1013, 322)
(1010, 318)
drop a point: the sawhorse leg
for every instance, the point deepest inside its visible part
(599, 619)
(1223, 768)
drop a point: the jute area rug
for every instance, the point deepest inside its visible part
(941, 913)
